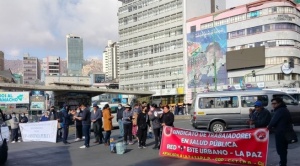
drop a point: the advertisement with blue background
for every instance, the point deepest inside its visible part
(202, 47)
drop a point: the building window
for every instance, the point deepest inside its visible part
(294, 76)
(280, 76)
(254, 30)
(193, 28)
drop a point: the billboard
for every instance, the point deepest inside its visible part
(99, 78)
(204, 47)
(37, 105)
(14, 97)
(246, 58)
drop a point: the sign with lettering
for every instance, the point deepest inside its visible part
(39, 131)
(14, 97)
(220, 148)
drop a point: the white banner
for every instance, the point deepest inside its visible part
(14, 97)
(4, 134)
(39, 131)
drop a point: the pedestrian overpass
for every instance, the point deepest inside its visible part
(67, 92)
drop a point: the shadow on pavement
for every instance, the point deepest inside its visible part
(46, 156)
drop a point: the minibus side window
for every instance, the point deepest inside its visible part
(248, 101)
(286, 99)
(218, 102)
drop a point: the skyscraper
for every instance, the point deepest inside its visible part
(31, 71)
(151, 45)
(111, 60)
(74, 54)
(1, 60)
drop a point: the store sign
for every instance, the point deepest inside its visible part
(169, 91)
(261, 84)
(219, 148)
(14, 97)
(283, 17)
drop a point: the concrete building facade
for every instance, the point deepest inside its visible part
(51, 65)
(111, 60)
(273, 26)
(51, 79)
(74, 54)
(1, 60)
(31, 70)
(151, 46)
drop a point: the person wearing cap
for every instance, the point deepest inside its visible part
(96, 118)
(261, 117)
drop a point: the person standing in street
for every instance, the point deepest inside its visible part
(107, 125)
(66, 122)
(86, 125)
(96, 118)
(167, 118)
(14, 123)
(280, 122)
(120, 111)
(154, 115)
(53, 113)
(78, 124)
(261, 117)
(23, 118)
(127, 123)
(143, 122)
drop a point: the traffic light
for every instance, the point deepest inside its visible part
(253, 73)
(291, 62)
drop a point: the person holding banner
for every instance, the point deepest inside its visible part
(261, 117)
(167, 118)
(154, 115)
(280, 122)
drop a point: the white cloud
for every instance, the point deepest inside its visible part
(14, 52)
(43, 25)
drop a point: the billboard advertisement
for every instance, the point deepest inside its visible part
(204, 47)
(99, 78)
(37, 106)
(14, 97)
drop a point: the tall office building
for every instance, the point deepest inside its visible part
(74, 54)
(111, 60)
(51, 65)
(1, 60)
(151, 45)
(31, 70)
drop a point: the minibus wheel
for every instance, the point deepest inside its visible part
(217, 126)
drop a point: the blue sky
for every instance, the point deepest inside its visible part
(39, 27)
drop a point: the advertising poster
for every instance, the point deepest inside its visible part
(37, 106)
(219, 148)
(40, 131)
(14, 97)
(99, 78)
(204, 47)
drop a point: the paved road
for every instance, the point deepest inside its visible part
(51, 154)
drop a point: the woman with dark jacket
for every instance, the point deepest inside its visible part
(143, 122)
(154, 115)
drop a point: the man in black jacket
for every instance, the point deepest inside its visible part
(167, 118)
(66, 122)
(86, 125)
(261, 117)
(280, 122)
